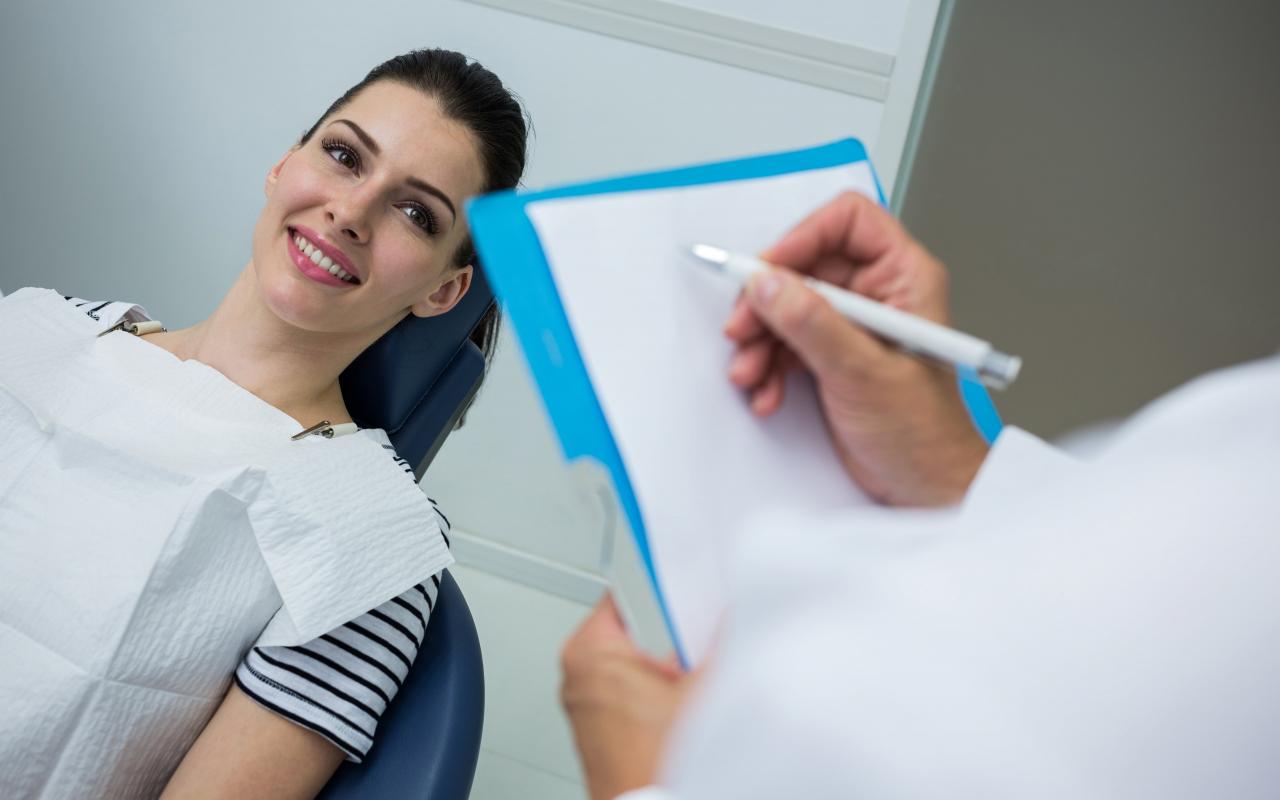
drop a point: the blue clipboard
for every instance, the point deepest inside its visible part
(516, 266)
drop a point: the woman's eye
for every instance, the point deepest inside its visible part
(342, 154)
(423, 217)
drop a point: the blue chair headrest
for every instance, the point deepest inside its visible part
(414, 380)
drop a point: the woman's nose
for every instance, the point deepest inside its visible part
(349, 214)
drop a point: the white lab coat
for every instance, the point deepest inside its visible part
(1097, 630)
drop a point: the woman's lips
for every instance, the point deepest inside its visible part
(311, 269)
(329, 249)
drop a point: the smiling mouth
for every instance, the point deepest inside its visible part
(320, 259)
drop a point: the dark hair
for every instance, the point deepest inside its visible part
(473, 96)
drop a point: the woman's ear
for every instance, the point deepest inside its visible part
(273, 174)
(446, 295)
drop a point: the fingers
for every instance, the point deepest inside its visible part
(760, 367)
(603, 629)
(766, 399)
(605, 621)
(878, 281)
(850, 242)
(601, 646)
(751, 364)
(824, 341)
(743, 324)
(670, 666)
(852, 226)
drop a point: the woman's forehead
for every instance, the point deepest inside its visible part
(413, 135)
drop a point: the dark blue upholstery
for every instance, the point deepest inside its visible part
(414, 383)
(429, 738)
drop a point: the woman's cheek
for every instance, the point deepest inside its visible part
(399, 271)
(400, 256)
(307, 189)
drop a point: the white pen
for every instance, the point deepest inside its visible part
(914, 334)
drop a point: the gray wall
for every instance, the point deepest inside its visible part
(1101, 178)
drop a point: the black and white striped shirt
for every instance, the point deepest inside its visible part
(339, 684)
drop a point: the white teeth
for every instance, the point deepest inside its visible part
(321, 260)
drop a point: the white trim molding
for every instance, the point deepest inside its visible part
(527, 569)
(838, 66)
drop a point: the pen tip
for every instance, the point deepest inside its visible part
(708, 253)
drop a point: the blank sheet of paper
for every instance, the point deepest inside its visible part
(647, 318)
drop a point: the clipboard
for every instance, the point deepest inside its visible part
(516, 266)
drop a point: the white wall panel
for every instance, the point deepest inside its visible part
(874, 24)
(729, 40)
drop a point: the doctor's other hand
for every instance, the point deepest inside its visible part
(898, 424)
(621, 703)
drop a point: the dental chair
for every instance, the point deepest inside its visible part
(414, 383)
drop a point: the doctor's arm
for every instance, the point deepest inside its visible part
(249, 752)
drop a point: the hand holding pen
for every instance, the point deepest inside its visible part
(897, 422)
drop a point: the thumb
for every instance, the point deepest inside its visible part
(825, 341)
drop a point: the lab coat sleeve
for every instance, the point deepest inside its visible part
(1110, 631)
(1018, 462)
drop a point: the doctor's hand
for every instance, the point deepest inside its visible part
(898, 424)
(621, 703)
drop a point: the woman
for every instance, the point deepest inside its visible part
(121, 636)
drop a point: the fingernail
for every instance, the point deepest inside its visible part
(765, 287)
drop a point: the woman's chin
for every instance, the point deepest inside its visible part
(301, 305)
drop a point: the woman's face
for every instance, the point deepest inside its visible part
(375, 196)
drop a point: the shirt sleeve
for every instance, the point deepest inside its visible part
(108, 313)
(1018, 462)
(340, 684)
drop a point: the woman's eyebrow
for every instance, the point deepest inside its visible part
(416, 183)
(431, 190)
(365, 138)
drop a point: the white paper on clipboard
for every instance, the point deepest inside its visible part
(647, 319)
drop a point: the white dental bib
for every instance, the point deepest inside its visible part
(154, 518)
